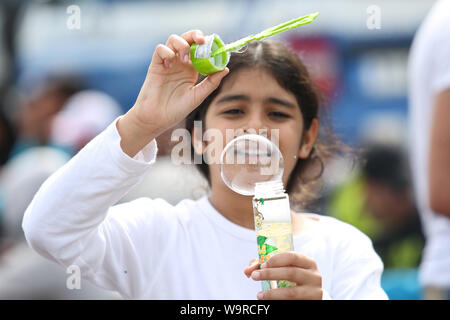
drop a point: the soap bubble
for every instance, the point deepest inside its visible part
(249, 159)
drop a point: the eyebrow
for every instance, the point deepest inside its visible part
(242, 97)
(280, 102)
(236, 97)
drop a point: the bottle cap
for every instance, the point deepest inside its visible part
(269, 188)
(201, 55)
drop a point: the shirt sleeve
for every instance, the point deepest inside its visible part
(441, 60)
(72, 218)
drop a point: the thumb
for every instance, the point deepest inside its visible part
(208, 85)
(252, 266)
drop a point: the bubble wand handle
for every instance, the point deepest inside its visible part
(294, 23)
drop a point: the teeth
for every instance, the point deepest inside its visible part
(253, 153)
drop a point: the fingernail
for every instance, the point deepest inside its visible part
(256, 275)
(264, 265)
(260, 295)
(186, 58)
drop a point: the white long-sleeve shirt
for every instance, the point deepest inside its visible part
(149, 249)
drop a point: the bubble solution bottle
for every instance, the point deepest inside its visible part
(273, 225)
(259, 174)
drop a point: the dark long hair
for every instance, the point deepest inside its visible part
(291, 74)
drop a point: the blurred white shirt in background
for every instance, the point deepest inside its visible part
(429, 74)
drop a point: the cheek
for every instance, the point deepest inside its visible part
(215, 138)
(221, 129)
(290, 142)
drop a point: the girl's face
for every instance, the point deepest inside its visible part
(253, 99)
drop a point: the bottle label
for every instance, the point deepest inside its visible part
(273, 237)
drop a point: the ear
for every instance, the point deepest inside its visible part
(309, 138)
(197, 141)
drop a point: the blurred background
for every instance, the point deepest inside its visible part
(69, 68)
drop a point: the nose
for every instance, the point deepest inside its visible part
(256, 125)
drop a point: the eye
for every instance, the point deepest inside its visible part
(278, 114)
(233, 111)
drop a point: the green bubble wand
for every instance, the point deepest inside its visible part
(213, 56)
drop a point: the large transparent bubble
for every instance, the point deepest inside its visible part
(249, 159)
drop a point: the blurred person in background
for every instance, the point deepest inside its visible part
(34, 117)
(377, 198)
(397, 233)
(7, 137)
(379, 202)
(84, 116)
(429, 107)
(23, 273)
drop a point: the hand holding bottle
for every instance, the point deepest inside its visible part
(291, 266)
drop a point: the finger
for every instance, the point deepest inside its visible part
(253, 265)
(293, 274)
(194, 36)
(290, 258)
(253, 261)
(208, 85)
(292, 293)
(180, 46)
(163, 55)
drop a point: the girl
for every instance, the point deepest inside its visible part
(199, 249)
